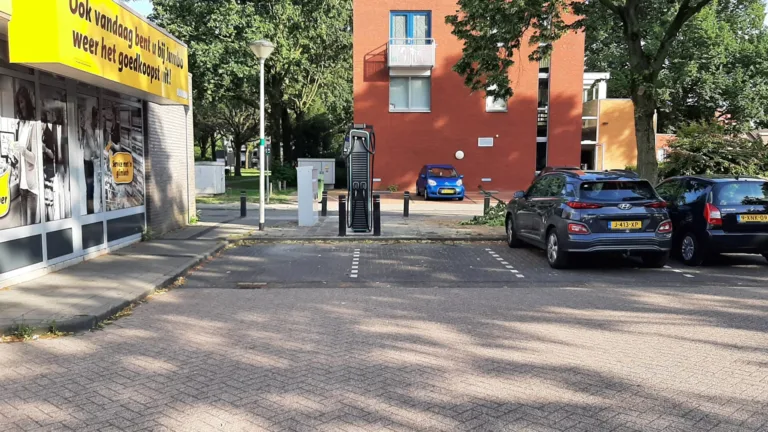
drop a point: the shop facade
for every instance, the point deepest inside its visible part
(95, 132)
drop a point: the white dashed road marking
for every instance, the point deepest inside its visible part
(355, 264)
(504, 263)
(666, 267)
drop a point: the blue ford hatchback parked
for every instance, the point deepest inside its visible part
(440, 181)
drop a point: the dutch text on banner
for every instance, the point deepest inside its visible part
(103, 38)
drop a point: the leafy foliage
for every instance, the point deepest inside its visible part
(717, 67)
(495, 216)
(493, 32)
(307, 78)
(706, 148)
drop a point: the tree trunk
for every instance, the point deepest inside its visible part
(287, 135)
(236, 147)
(644, 101)
(213, 148)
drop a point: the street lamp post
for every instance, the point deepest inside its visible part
(262, 49)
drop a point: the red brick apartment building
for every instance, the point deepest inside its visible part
(423, 114)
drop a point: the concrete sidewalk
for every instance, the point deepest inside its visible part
(427, 221)
(78, 297)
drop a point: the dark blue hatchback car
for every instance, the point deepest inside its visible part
(717, 214)
(440, 181)
(570, 212)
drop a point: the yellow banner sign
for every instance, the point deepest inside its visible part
(122, 167)
(102, 38)
(5, 192)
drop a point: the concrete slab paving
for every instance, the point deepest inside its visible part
(418, 359)
(76, 297)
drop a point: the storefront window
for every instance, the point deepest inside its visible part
(90, 145)
(19, 150)
(123, 155)
(55, 147)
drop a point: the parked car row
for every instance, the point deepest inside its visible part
(569, 211)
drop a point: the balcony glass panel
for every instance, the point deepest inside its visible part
(589, 130)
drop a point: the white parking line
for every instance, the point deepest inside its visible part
(353, 273)
(501, 260)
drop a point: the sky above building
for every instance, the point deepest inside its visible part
(143, 7)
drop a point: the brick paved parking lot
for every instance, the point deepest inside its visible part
(564, 357)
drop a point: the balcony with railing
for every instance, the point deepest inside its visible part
(411, 53)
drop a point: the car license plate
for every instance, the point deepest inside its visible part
(617, 225)
(447, 191)
(746, 218)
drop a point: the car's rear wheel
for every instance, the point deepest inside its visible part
(513, 240)
(556, 256)
(655, 260)
(690, 250)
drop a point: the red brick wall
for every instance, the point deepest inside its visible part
(407, 141)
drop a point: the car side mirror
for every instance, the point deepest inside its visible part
(519, 195)
(461, 176)
(423, 176)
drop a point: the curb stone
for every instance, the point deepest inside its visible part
(82, 323)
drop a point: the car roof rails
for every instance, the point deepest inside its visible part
(568, 172)
(623, 172)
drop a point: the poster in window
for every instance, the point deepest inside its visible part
(123, 156)
(57, 199)
(19, 151)
(90, 145)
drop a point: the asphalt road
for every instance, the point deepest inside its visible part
(421, 337)
(464, 265)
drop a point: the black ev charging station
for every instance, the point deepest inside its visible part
(359, 152)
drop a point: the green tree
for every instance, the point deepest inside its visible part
(717, 67)
(494, 30)
(310, 67)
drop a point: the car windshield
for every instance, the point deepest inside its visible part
(617, 191)
(742, 193)
(443, 172)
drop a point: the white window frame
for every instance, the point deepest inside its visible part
(410, 101)
(491, 103)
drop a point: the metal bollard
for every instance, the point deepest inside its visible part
(342, 216)
(242, 204)
(406, 204)
(487, 203)
(324, 204)
(377, 215)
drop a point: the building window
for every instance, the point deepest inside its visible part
(495, 105)
(411, 27)
(590, 93)
(409, 94)
(541, 155)
(589, 130)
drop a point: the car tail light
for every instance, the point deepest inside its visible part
(665, 227)
(577, 228)
(657, 204)
(713, 215)
(582, 205)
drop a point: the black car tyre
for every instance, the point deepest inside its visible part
(690, 250)
(425, 196)
(513, 240)
(556, 256)
(461, 199)
(655, 260)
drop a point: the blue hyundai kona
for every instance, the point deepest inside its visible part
(440, 181)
